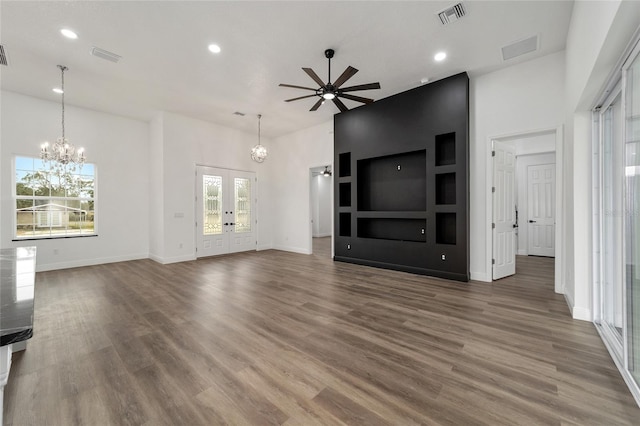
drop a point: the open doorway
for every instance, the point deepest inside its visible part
(525, 185)
(321, 183)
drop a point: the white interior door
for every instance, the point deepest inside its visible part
(504, 207)
(541, 185)
(225, 204)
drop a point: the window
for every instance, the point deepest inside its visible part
(50, 205)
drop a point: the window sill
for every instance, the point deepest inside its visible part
(63, 237)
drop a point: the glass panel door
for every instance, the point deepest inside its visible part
(612, 219)
(632, 210)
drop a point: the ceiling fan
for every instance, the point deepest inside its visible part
(333, 91)
(325, 173)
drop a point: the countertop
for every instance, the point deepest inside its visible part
(18, 271)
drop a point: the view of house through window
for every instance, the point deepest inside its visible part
(53, 205)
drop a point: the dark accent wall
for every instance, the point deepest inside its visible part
(401, 191)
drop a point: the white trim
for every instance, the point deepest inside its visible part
(299, 250)
(480, 276)
(176, 259)
(322, 235)
(559, 286)
(262, 247)
(89, 262)
(582, 314)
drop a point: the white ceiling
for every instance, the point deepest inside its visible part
(166, 66)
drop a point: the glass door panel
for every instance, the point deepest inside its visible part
(212, 196)
(243, 204)
(632, 216)
(612, 219)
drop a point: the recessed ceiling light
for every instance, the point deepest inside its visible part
(68, 33)
(58, 90)
(214, 48)
(440, 56)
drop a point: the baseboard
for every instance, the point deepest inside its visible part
(89, 262)
(582, 314)
(522, 253)
(264, 247)
(292, 249)
(481, 276)
(322, 235)
(174, 259)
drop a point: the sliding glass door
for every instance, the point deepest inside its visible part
(612, 223)
(631, 77)
(616, 198)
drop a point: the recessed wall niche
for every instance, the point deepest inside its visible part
(393, 182)
(401, 198)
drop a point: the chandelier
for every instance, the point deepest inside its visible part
(259, 152)
(62, 157)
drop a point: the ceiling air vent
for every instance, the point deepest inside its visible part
(521, 47)
(452, 13)
(105, 54)
(241, 114)
(3, 56)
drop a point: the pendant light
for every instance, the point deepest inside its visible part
(259, 152)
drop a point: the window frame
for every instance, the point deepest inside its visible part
(51, 199)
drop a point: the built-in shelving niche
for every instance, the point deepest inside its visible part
(344, 164)
(345, 224)
(446, 188)
(392, 229)
(445, 228)
(345, 194)
(446, 149)
(393, 182)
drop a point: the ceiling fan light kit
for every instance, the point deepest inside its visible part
(333, 91)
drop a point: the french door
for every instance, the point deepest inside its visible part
(225, 203)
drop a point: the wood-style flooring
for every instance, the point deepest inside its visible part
(280, 338)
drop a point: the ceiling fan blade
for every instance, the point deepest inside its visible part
(296, 87)
(314, 76)
(342, 107)
(356, 98)
(301, 97)
(346, 75)
(317, 105)
(361, 87)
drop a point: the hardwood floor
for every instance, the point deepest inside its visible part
(322, 247)
(282, 338)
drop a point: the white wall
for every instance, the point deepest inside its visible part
(321, 206)
(189, 142)
(118, 147)
(535, 144)
(598, 34)
(523, 98)
(522, 164)
(292, 156)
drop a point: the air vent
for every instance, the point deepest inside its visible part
(3, 56)
(105, 54)
(519, 48)
(452, 14)
(241, 114)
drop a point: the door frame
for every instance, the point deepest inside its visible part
(312, 169)
(195, 202)
(559, 145)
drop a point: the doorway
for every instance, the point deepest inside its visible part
(523, 200)
(225, 206)
(321, 209)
